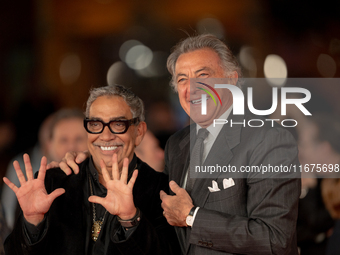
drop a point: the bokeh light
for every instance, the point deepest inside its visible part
(275, 70)
(138, 57)
(157, 67)
(114, 72)
(326, 65)
(126, 46)
(247, 60)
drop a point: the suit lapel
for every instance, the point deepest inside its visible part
(182, 157)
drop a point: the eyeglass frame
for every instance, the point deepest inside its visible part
(128, 123)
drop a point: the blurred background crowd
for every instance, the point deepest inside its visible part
(53, 52)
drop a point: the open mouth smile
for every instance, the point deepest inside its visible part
(198, 101)
(110, 148)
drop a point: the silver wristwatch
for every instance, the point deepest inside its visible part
(190, 218)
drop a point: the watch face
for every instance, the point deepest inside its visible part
(189, 220)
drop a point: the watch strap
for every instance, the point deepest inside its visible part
(134, 221)
(192, 211)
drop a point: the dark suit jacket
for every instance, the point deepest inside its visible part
(255, 216)
(69, 220)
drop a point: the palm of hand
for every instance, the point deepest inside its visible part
(33, 198)
(119, 197)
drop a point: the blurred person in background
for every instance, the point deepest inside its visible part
(60, 132)
(150, 152)
(68, 133)
(4, 230)
(7, 138)
(7, 135)
(327, 140)
(331, 195)
(319, 143)
(162, 121)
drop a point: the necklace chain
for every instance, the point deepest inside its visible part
(97, 224)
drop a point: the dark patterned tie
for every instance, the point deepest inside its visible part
(196, 156)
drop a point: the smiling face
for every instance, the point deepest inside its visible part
(202, 63)
(105, 144)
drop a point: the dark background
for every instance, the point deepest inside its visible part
(37, 36)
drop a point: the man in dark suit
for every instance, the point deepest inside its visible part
(224, 215)
(106, 208)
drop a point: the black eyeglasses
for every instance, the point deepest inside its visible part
(115, 126)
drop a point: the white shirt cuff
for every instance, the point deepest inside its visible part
(193, 217)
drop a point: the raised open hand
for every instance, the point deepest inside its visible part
(32, 196)
(119, 198)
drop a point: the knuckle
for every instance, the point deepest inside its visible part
(63, 166)
(181, 190)
(70, 161)
(164, 199)
(69, 156)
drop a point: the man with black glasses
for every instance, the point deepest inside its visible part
(106, 208)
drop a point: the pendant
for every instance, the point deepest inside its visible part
(96, 227)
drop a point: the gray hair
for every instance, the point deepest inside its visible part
(228, 60)
(134, 102)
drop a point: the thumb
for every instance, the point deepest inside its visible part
(56, 193)
(162, 194)
(174, 187)
(97, 200)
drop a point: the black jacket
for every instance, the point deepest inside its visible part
(68, 222)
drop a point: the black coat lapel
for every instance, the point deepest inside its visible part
(181, 158)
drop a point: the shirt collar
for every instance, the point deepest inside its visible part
(216, 130)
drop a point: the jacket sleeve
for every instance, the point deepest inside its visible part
(268, 224)
(18, 243)
(153, 235)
